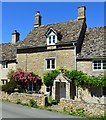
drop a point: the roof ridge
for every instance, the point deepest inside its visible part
(96, 27)
(56, 23)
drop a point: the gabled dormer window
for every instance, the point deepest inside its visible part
(51, 35)
(52, 40)
(4, 65)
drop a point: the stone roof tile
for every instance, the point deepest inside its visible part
(94, 44)
(8, 52)
(69, 31)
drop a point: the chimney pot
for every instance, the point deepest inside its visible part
(37, 19)
(15, 36)
(81, 12)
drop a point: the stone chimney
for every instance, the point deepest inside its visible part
(81, 12)
(15, 36)
(37, 19)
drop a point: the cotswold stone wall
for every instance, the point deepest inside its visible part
(86, 67)
(89, 108)
(40, 99)
(91, 94)
(36, 62)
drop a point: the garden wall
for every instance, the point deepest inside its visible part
(91, 94)
(40, 99)
(89, 108)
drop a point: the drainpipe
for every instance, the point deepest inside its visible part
(26, 63)
(74, 44)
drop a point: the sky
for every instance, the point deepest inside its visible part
(20, 15)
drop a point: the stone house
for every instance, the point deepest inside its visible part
(67, 44)
(7, 60)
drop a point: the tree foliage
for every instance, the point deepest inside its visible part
(48, 77)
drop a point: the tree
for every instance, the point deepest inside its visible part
(48, 78)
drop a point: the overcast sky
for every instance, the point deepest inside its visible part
(20, 15)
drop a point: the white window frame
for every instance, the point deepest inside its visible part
(50, 63)
(53, 41)
(4, 81)
(4, 65)
(101, 65)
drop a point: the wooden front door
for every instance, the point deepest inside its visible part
(57, 91)
(60, 90)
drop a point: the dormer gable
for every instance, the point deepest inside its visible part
(51, 36)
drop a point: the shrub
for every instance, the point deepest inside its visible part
(10, 87)
(24, 104)
(19, 80)
(18, 101)
(51, 101)
(49, 77)
(33, 103)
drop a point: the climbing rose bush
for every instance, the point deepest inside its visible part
(19, 81)
(24, 77)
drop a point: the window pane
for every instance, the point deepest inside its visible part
(104, 61)
(104, 67)
(99, 67)
(53, 40)
(95, 67)
(6, 65)
(97, 64)
(3, 64)
(48, 64)
(53, 37)
(53, 64)
(49, 39)
(95, 61)
(104, 64)
(104, 90)
(99, 61)
(3, 82)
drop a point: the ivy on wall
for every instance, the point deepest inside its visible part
(77, 76)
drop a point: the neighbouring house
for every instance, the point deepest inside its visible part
(67, 44)
(8, 57)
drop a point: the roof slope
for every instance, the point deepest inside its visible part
(69, 31)
(8, 52)
(94, 43)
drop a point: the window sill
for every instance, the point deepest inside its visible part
(50, 69)
(4, 68)
(99, 70)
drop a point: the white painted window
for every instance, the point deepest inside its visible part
(52, 39)
(4, 81)
(50, 64)
(99, 64)
(4, 65)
